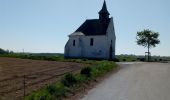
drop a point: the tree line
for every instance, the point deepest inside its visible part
(2, 51)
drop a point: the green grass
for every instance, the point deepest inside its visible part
(128, 58)
(71, 81)
(46, 56)
(102, 68)
(60, 57)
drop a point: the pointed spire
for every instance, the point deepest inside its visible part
(104, 9)
(103, 13)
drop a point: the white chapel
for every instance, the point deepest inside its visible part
(94, 39)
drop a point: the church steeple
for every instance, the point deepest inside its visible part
(103, 13)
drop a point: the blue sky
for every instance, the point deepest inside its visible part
(44, 25)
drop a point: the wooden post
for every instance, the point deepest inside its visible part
(24, 85)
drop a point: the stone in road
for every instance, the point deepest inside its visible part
(135, 81)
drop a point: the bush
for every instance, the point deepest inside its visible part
(116, 60)
(60, 90)
(141, 59)
(80, 78)
(50, 92)
(2, 51)
(86, 71)
(133, 60)
(69, 80)
(51, 89)
(124, 59)
(42, 95)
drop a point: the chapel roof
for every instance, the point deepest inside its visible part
(96, 26)
(93, 27)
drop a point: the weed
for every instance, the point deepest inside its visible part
(69, 80)
(86, 71)
(51, 89)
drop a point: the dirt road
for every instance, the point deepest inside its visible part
(135, 81)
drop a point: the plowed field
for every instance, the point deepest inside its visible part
(37, 74)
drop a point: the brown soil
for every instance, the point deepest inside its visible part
(37, 75)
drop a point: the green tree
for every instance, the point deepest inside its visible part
(2, 51)
(147, 38)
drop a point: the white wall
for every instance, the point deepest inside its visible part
(111, 36)
(100, 48)
(73, 51)
(84, 49)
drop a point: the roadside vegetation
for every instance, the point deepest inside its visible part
(44, 56)
(73, 81)
(60, 57)
(132, 58)
(128, 58)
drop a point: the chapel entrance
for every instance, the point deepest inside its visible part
(110, 52)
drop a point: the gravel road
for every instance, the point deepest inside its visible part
(135, 81)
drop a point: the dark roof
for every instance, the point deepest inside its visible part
(93, 27)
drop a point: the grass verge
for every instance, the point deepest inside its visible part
(70, 82)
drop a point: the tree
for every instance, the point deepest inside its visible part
(2, 51)
(147, 38)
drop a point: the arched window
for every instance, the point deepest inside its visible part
(91, 42)
(74, 42)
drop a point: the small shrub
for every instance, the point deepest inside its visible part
(61, 90)
(80, 78)
(69, 80)
(41, 95)
(50, 92)
(160, 59)
(133, 60)
(124, 59)
(142, 59)
(51, 89)
(84, 59)
(86, 71)
(116, 60)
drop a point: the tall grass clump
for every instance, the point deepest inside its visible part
(51, 92)
(86, 71)
(69, 80)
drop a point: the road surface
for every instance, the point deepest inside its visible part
(135, 81)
